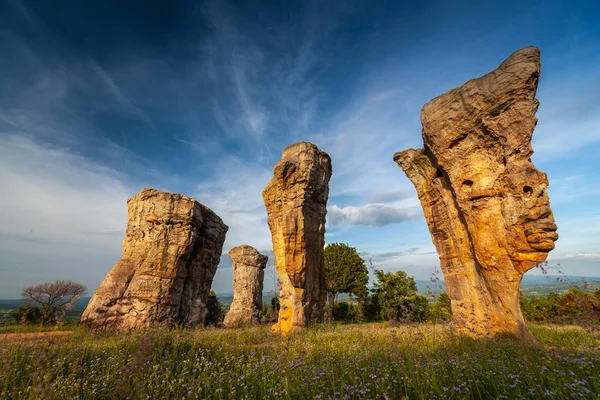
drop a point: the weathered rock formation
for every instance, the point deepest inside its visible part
(171, 251)
(248, 276)
(296, 201)
(485, 203)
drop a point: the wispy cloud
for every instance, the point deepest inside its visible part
(60, 206)
(119, 94)
(575, 256)
(236, 196)
(264, 92)
(371, 215)
(387, 197)
(386, 256)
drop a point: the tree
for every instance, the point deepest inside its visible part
(398, 298)
(54, 298)
(441, 310)
(215, 313)
(345, 272)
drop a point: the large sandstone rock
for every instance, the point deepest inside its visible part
(485, 203)
(296, 201)
(171, 251)
(248, 276)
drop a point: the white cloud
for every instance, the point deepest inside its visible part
(236, 196)
(387, 197)
(392, 255)
(61, 215)
(370, 215)
(575, 256)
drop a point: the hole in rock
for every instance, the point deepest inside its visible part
(527, 190)
(468, 182)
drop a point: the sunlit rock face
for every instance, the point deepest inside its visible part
(171, 251)
(485, 202)
(248, 276)
(296, 202)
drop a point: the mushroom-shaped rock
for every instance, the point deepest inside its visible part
(248, 276)
(296, 202)
(485, 202)
(171, 251)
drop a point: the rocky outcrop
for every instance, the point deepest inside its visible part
(296, 201)
(485, 203)
(248, 276)
(171, 251)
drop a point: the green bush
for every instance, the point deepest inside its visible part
(370, 308)
(441, 310)
(28, 314)
(215, 311)
(572, 307)
(398, 298)
(346, 311)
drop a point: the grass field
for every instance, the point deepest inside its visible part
(370, 361)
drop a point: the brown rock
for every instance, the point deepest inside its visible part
(296, 201)
(485, 203)
(171, 251)
(248, 276)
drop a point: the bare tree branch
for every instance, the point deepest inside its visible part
(54, 297)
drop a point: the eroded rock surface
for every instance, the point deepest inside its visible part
(248, 276)
(171, 251)
(296, 201)
(485, 202)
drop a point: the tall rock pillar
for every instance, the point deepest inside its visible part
(296, 202)
(248, 276)
(171, 251)
(485, 202)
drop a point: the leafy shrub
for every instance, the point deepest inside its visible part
(441, 310)
(271, 313)
(215, 311)
(573, 307)
(370, 308)
(28, 314)
(346, 311)
(398, 298)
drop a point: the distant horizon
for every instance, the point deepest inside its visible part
(576, 279)
(100, 101)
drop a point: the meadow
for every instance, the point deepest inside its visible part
(352, 361)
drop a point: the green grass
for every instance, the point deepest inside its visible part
(367, 361)
(19, 328)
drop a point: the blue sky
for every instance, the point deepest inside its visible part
(99, 99)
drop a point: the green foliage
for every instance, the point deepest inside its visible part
(215, 310)
(397, 296)
(345, 272)
(366, 361)
(441, 310)
(271, 313)
(27, 315)
(574, 306)
(371, 308)
(346, 311)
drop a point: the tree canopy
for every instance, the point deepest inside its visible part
(397, 296)
(54, 297)
(345, 272)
